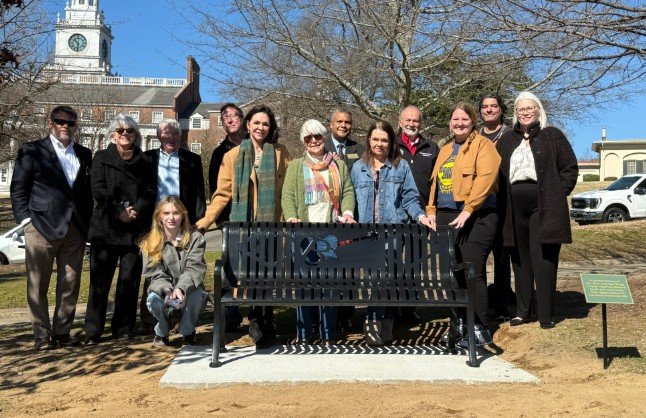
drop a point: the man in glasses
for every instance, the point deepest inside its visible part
(179, 173)
(232, 117)
(51, 194)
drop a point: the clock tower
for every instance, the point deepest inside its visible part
(83, 40)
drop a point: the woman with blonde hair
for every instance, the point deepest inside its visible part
(174, 263)
(463, 195)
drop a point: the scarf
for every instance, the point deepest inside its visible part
(316, 191)
(266, 180)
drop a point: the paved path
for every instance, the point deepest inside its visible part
(342, 363)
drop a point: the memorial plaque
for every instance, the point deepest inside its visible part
(606, 288)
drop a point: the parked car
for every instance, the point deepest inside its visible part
(12, 246)
(622, 200)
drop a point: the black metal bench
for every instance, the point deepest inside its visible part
(283, 264)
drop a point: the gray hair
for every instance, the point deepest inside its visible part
(526, 95)
(421, 115)
(312, 127)
(124, 121)
(172, 123)
(340, 109)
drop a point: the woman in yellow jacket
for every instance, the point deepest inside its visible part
(251, 179)
(463, 194)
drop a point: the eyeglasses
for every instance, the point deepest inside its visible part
(524, 110)
(310, 138)
(61, 122)
(232, 117)
(120, 131)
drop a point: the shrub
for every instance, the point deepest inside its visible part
(611, 178)
(590, 177)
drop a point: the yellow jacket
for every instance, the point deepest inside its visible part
(224, 191)
(474, 175)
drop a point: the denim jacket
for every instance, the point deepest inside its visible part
(398, 195)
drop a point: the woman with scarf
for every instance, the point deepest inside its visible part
(251, 178)
(317, 189)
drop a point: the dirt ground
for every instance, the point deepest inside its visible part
(121, 379)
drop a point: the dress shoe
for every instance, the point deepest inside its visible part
(91, 341)
(161, 342)
(514, 322)
(190, 339)
(66, 340)
(548, 325)
(44, 343)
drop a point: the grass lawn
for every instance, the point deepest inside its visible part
(13, 283)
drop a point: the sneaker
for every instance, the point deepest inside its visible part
(161, 342)
(254, 330)
(372, 331)
(461, 328)
(483, 337)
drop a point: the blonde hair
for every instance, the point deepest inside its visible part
(153, 242)
(526, 95)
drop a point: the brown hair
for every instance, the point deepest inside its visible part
(469, 110)
(393, 148)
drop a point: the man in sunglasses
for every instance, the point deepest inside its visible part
(51, 194)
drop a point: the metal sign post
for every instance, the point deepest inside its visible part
(604, 289)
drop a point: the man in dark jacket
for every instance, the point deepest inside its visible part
(178, 173)
(420, 153)
(51, 188)
(339, 140)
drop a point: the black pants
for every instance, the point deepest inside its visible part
(103, 262)
(501, 296)
(473, 244)
(535, 264)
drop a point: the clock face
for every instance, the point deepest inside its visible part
(77, 42)
(104, 49)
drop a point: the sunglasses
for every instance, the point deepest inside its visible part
(120, 131)
(310, 138)
(61, 122)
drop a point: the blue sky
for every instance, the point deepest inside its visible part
(145, 45)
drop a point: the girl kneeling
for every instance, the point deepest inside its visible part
(174, 263)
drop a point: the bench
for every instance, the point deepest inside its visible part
(382, 265)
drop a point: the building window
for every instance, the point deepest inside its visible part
(110, 115)
(154, 144)
(3, 176)
(196, 123)
(631, 167)
(40, 111)
(158, 116)
(86, 115)
(87, 142)
(219, 119)
(135, 115)
(196, 147)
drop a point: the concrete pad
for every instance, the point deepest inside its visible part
(340, 363)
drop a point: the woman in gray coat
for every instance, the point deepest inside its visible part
(174, 263)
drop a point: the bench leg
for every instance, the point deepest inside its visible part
(218, 334)
(473, 359)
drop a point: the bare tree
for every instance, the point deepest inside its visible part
(23, 29)
(380, 55)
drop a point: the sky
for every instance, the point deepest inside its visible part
(145, 45)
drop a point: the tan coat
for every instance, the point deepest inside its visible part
(224, 191)
(475, 173)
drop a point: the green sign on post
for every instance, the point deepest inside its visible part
(606, 288)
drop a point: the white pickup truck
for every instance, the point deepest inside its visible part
(623, 199)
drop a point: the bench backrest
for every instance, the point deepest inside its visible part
(263, 255)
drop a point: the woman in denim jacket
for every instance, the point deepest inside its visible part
(386, 193)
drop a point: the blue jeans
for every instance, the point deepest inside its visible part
(190, 312)
(327, 322)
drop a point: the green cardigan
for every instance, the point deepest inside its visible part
(293, 195)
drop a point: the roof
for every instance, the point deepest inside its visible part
(96, 94)
(618, 144)
(202, 108)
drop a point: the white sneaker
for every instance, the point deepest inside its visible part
(483, 337)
